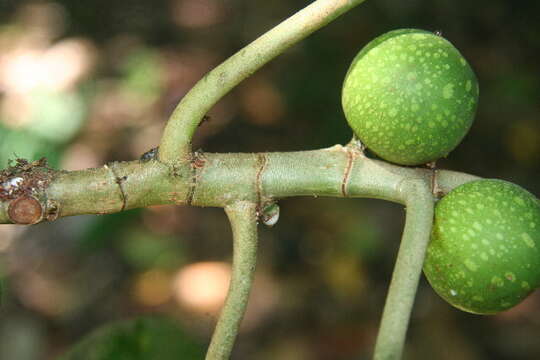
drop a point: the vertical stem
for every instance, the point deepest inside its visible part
(243, 218)
(176, 141)
(407, 271)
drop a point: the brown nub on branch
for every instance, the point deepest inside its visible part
(25, 210)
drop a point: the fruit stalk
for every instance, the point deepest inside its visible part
(407, 271)
(242, 216)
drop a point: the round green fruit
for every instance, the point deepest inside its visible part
(410, 96)
(484, 254)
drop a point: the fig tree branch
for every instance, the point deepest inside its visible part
(216, 180)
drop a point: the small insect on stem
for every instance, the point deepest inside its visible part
(149, 155)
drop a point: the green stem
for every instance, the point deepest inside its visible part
(223, 179)
(407, 271)
(176, 141)
(243, 218)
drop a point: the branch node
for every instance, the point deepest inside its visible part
(197, 161)
(119, 180)
(352, 153)
(52, 210)
(262, 159)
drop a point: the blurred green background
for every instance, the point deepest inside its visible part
(84, 83)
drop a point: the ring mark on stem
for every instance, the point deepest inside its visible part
(119, 180)
(347, 174)
(262, 159)
(435, 188)
(197, 162)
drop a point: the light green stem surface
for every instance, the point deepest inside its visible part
(243, 218)
(407, 271)
(176, 141)
(223, 179)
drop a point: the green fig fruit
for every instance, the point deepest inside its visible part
(410, 96)
(484, 253)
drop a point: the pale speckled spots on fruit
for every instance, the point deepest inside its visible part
(525, 285)
(448, 91)
(499, 236)
(468, 85)
(471, 265)
(412, 75)
(484, 256)
(528, 240)
(453, 292)
(505, 304)
(419, 37)
(477, 226)
(478, 298)
(497, 281)
(485, 242)
(519, 200)
(462, 61)
(532, 225)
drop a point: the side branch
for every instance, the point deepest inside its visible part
(407, 271)
(176, 141)
(243, 218)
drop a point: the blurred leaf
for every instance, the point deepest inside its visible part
(142, 74)
(144, 250)
(103, 230)
(144, 338)
(56, 117)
